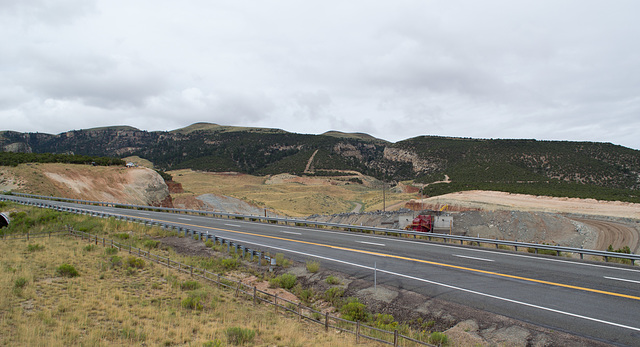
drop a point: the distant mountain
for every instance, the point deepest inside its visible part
(557, 168)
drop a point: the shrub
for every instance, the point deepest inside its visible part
(355, 311)
(229, 263)
(385, 322)
(209, 243)
(122, 236)
(332, 280)
(438, 338)
(151, 244)
(306, 295)
(111, 251)
(282, 261)
(20, 282)
(313, 266)
(240, 336)
(89, 248)
(189, 285)
(334, 295)
(136, 263)
(67, 270)
(33, 248)
(286, 281)
(192, 303)
(116, 261)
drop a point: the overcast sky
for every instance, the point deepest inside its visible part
(559, 70)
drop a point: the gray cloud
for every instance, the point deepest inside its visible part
(491, 69)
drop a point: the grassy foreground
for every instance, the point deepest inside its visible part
(118, 299)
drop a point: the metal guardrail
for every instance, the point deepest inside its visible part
(375, 230)
(252, 293)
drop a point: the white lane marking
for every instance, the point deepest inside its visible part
(184, 218)
(144, 214)
(458, 248)
(453, 287)
(290, 232)
(233, 225)
(621, 279)
(372, 243)
(474, 258)
(478, 250)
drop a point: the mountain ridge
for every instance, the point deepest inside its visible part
(588, 169)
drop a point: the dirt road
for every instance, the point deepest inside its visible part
(615, 234)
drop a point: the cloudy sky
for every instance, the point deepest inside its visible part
(559, 70)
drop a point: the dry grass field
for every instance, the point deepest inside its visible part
(293, 198)
(119, 299)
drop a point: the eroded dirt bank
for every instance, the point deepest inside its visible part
(113, 184)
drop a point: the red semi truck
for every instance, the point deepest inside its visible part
(422, 223)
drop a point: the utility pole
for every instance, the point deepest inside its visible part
(384, 202)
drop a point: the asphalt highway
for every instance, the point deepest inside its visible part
(595, 300)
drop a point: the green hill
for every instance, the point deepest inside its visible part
(556, 168)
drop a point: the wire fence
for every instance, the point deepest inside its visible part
(280, 305)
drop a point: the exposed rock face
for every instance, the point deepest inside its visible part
(349, 150)
(174, 187)
(148, 185)
(402, 155)
(17, 147)
(139, 186)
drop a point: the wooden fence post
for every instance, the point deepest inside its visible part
(357, 332)
(395, 338)
(326, 321)
(275, 300)
(255, 290)
(299, 311)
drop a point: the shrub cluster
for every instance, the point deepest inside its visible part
(67, 270)
(286, 281)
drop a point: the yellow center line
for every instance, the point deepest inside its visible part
(414, 260)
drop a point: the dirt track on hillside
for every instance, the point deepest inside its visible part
(610, 233)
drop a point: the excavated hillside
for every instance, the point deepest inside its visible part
(136, 185)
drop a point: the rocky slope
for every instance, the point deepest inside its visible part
(114, 184)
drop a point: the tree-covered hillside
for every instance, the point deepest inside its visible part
(583, 169)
